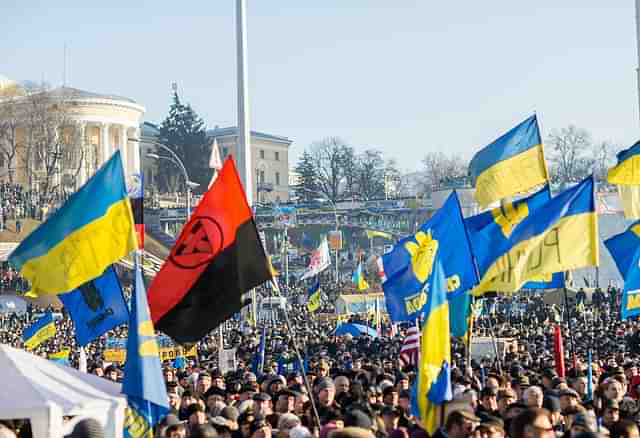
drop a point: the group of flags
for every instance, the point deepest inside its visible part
(431, 275)
(217, 257)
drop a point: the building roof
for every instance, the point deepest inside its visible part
(148, 129)
(232, 131)
(75, 93)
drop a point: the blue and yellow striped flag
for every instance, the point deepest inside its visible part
(61, 357)
(91, 231)
(560, 235)
(512, 164)
(626, 174)
(358, 278)
(433, 386)
(314, 294)
(39, 331)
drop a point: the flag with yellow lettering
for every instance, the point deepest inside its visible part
(558, 236)
(625, 250)
(512, 164)
(626, 174)
(500, 222)
(143, 381)
(405, 270)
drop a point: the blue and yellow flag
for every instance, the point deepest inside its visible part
(96, 307)
(560, 235)
(143, 382)
(358, 278)
(626, 174)
(90, 232)
(512, 164)
(625, 250)
(39, 331)
(314, 294)
(433, 386)
(507, 217)
(406, 268)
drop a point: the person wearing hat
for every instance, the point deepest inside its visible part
(342, 384)
(491, 427)
(326, 392)
(390, 396)
(244, 424)
(261, 404)
(195, 415)
(505, 398)
(568, 397)
(458, 424)
(260, 428)
(610, 413)
(215, 400)
(488, 403)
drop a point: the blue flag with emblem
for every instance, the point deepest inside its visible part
(560, 235)
(96, 307)
(625, 250)
(405, 269)
(143, 382)
(506, 218)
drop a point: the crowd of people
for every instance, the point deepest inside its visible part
(358, 387)
(18, 203)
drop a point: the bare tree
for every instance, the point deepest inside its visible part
(371, 176)
(54, 147)
(570, 154)
(10, 119)
(328, 158)
(441, 169)
(394, 183)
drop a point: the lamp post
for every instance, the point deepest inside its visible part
(174, 159)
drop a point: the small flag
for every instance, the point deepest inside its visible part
(215, 162)
(320, 260)
(96, 307)
(314, 294)
(136, 195)
(410, 349)
(143, 382)
(512, 164)
(89, 233)
(358, 278)
(216, 259)
(60, 357)
(39, 331)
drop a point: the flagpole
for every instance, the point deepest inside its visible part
(243, 153)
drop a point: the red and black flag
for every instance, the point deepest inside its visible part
(217, 258)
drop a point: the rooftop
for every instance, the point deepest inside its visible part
(232, 131)
(75, 93)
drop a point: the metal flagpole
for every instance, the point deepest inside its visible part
(243, 154)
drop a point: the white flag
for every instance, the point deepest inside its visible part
(320, 260)
(215, 162)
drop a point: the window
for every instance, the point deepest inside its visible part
(277, 178)
(262, 153)
(277, 156)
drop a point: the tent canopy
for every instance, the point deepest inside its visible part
(42, 391)
(355, 330)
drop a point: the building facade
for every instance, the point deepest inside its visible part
(269, 161)
(102, 124)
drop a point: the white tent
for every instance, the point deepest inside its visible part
(39, 390)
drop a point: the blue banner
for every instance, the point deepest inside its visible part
(625, 250)
(96, 307)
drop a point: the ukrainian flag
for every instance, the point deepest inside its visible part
(560, 235)
(91, 231)
(626, 174)
(512, 164)
(506, 218)
(434, 373)
(315, 297)
(625, 250)
(39, 331)
(143, 383)
(61, 357)
(358, 278)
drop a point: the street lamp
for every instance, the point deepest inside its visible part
(175, 159)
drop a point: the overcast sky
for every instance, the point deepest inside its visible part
(405, 77)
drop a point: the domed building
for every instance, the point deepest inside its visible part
(87, 128)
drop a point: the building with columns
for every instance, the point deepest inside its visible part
(102, 124)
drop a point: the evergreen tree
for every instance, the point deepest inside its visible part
(307, 185)
(183, 131)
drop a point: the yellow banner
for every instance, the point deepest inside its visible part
(166, 353)
(314, 302)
